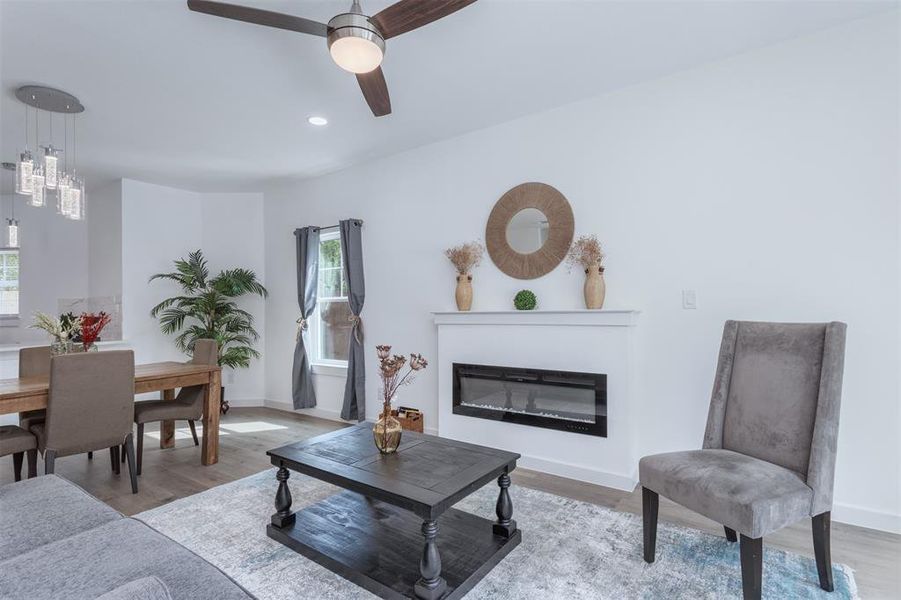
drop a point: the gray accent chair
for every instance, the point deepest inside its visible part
(18, 442)
(768, 458)
(90, 405)
(187, 405)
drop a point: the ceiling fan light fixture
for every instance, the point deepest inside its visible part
(354, 43)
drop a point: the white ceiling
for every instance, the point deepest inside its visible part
(195, 101)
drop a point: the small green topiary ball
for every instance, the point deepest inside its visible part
(525, 300)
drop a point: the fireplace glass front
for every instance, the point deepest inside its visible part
(564, 400)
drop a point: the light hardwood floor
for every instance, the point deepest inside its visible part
(246, 434)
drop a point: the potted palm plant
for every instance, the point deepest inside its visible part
(207, 309)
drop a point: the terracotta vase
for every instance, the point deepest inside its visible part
(464, 291)
(595, 288)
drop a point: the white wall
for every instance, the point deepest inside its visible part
(161, 224)
(768, 183)
(53, 257)
(105, 240)
(232, 237)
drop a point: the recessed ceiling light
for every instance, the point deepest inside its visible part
(318, 121)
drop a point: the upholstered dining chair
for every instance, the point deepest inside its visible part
(768, 457)
(187, 405)
(33, 362)
(18, 442)
(89, 407)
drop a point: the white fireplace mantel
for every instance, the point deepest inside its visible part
(590, 341)
(584, 318)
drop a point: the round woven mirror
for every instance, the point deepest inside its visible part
(529, 230)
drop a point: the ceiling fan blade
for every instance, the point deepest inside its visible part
(375, 90)
(407, 15)
(259, 17)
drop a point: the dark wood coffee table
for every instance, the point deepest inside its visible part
(369, 533)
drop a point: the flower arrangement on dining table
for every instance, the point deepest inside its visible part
(69, 329)
(387, 429)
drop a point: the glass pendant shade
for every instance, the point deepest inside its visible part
(62, 195)
(24, 173)
(74, 202)
(37, 188)
(12, 233)
(51, 175)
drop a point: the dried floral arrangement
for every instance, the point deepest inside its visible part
(585, 252)
(91, 326)
(390, 368)
(465, 256)
(61, 329)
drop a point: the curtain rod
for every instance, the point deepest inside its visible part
(359, 221)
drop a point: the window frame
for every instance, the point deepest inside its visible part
(316, 322)
(7, 251)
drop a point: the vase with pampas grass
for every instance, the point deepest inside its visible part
(586, 253)
(465, 258)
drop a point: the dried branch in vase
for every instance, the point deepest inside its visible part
(585, 253)
(387, 430)
(466, 256)
(390, 368)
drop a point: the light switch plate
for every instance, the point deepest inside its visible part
(689, 300)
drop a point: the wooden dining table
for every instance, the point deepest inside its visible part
(30, 393)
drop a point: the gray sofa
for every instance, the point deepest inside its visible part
(59, 542)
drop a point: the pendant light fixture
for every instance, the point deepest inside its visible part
(12, 228)
(38, 197)
(11, 237)
(50, 173)
(37, 188)
(24, 166)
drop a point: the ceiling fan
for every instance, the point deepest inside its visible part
(356, 42)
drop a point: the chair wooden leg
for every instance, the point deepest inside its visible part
(194, 433)
(32, 463)
(140, 447)
(822, 549)
(132, 466)
(90, 456)
(17, 465)
(114, 459)
(649, 504)
(751, 550)
(49, 461)
(730, 534)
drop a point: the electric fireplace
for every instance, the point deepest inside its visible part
(563, 400)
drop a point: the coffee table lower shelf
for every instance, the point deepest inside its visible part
(378, 546)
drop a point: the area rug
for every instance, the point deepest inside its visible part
(569, 550)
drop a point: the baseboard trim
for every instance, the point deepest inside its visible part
(245, 402)
(866, 517)
(578, 472)
(322, 413)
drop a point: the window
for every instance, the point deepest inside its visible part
(9, 283)
(331, 326)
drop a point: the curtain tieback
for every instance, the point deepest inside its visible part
(356, 324)
(301, 326)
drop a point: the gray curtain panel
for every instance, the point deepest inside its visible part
(355, 389)
(302, 391)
